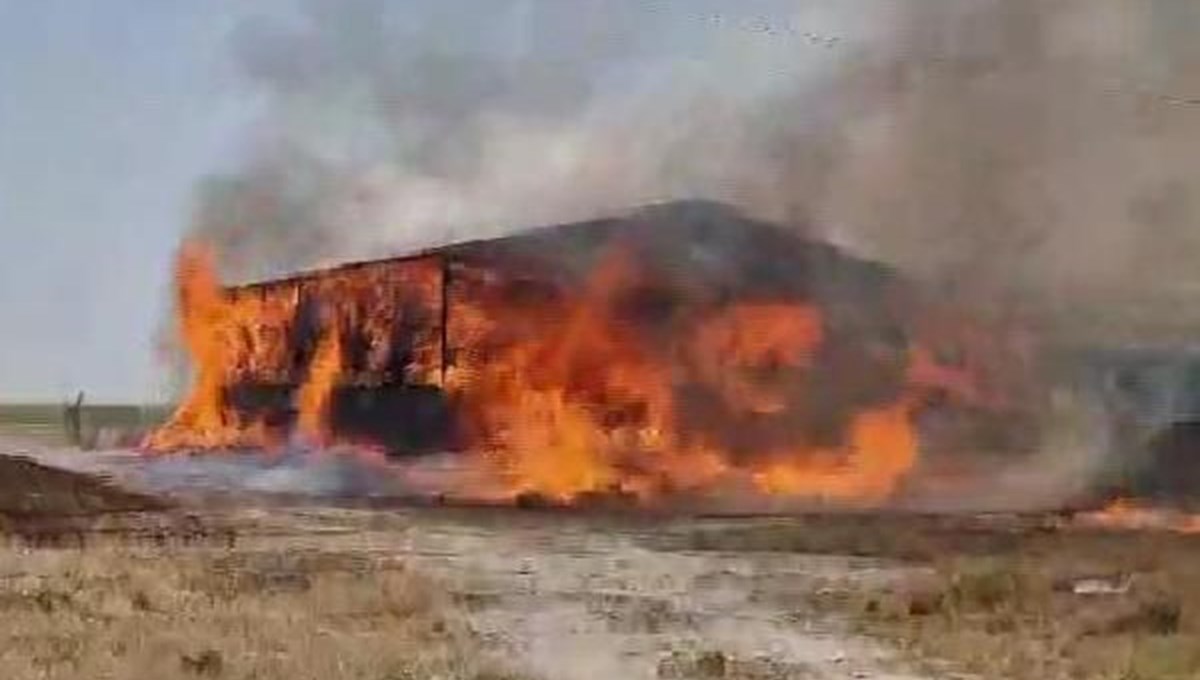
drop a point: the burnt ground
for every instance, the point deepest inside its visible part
(616, 595)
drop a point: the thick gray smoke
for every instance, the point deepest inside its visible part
(1011, 148)
(389, 126)
(1039, 151)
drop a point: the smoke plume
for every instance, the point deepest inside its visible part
(1011, 148)
(391, 127)
(1035, 150)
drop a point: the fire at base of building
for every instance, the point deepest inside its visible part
(677, 347)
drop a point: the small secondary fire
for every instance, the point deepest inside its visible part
(1127, 514)
(683, 349)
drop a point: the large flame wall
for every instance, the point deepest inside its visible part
(613, 374)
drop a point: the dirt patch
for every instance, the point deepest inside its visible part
(31, 491)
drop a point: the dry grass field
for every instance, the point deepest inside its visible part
(314, 591)
(98, 581)
(1013, 598)
(116, 611)
(450, 594)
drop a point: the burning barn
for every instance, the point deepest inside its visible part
(672, 348)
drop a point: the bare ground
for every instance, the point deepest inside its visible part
(586, 598)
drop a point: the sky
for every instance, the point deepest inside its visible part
(109, 111)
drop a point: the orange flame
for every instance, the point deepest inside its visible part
(1125, 514)
(737, 348)
(315, 395)
(203, 420)
(238, 335)
(543, 403)
(588, 406)
(562, 396)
